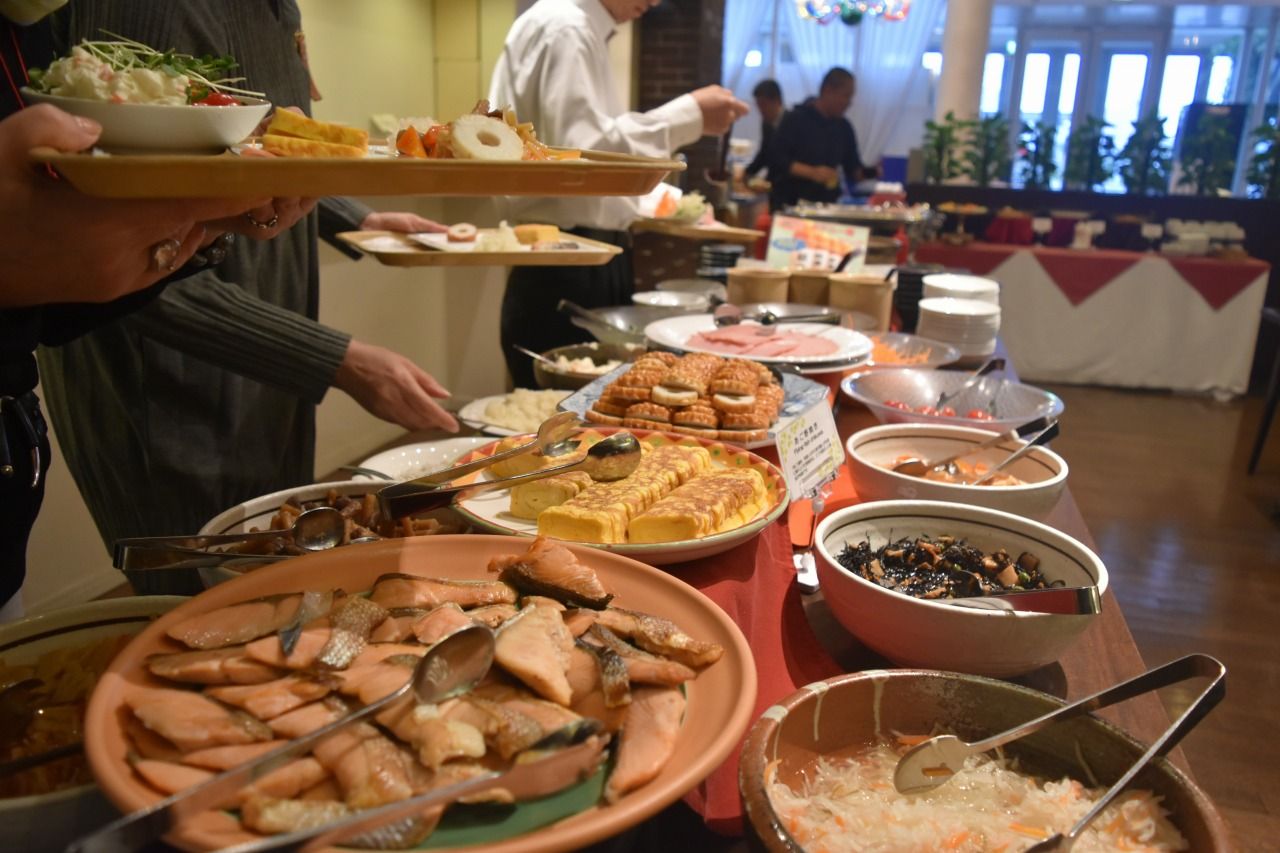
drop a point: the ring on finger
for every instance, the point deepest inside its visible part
(165, 254)
(265, 226)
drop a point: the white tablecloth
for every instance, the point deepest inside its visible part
(1146, 328)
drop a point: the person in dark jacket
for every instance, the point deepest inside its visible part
(68, 263)
(814, 143)
(768, 95)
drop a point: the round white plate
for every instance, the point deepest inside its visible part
(415, 460)
(472, 414)
(675, 332)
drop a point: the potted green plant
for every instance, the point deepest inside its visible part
(1144, 160)
(1091, 155)
(942, 140)
(1038, 167)
(1264, 168)
(986, 157)
(1208, 157)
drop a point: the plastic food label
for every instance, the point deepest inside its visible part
(810, 451)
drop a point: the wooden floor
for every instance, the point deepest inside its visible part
(1192, 546)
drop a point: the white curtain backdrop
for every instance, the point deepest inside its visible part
(741, 26)
(885, 56)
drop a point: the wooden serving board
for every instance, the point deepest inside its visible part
(400, 250)
(230, 175)
(723, 233)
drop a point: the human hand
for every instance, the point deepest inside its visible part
(404, 222)
(393, 388)
(58, 245)
(720, 109)
(267, 220)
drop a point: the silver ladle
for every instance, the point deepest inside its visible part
(1045, 436)
(913, 466)
(611, 459)
(317, 529)
(935, 761)
(450, 667)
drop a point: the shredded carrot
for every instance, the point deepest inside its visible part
(912, 740)
(1031, 831)
(954, 842)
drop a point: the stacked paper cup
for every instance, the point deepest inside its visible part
(969, 325)
(951, 285)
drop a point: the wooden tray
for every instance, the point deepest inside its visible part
(598, 173)
(399, 250)
(725, 234)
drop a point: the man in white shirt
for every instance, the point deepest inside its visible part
(554, 71)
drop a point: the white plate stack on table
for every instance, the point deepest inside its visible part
(956, 286)
(970, 325)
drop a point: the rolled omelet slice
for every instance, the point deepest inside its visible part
(701, 507)
(601, 513)
(529, 500)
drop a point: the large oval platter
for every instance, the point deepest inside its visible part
(719, 700)
(490, 509)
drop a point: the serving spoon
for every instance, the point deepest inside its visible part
(316, 529)
(450, 667)
(935, 761)
(1044, 436)
(614, 458)
(551, 438)
(913, 466)
(729, 314)
(991, 365)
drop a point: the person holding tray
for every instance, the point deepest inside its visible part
(554, 71)
(67, 262)
(207, 397)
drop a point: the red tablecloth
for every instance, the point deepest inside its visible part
(755, 584)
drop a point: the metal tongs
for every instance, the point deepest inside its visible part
(611, 459)
(729, 314)
(930, 764)
(991, 366)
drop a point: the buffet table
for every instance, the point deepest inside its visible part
(1129, 319)
(796, 640)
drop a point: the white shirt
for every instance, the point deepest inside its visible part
(554, 71)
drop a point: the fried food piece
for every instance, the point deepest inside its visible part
(287, 123)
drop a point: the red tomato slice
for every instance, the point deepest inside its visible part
(978, 415)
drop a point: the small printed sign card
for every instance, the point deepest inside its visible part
(810, 451)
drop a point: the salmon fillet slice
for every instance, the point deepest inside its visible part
(191, 721)
(400, 590)
(648, 739)
(534, 647)
(660, 636)
(230, 665)
(270, 700)
(236, 624)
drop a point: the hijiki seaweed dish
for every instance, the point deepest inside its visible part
(943, 567)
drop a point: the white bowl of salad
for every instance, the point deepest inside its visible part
(148, 101)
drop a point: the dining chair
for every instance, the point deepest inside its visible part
(1269, 316)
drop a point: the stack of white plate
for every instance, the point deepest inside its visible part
(969, 325)
(951, 285)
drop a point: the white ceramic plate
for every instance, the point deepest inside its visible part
(415, 460)
(472, 414)
(163, 128)
(800, 395)
(490, 509)
(674, 333)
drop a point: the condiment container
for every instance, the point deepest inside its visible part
(757, 284)
(809, 287)
(866, 294)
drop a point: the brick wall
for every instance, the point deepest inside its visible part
(679, 49)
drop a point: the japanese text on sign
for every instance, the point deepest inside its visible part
(810, 451)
